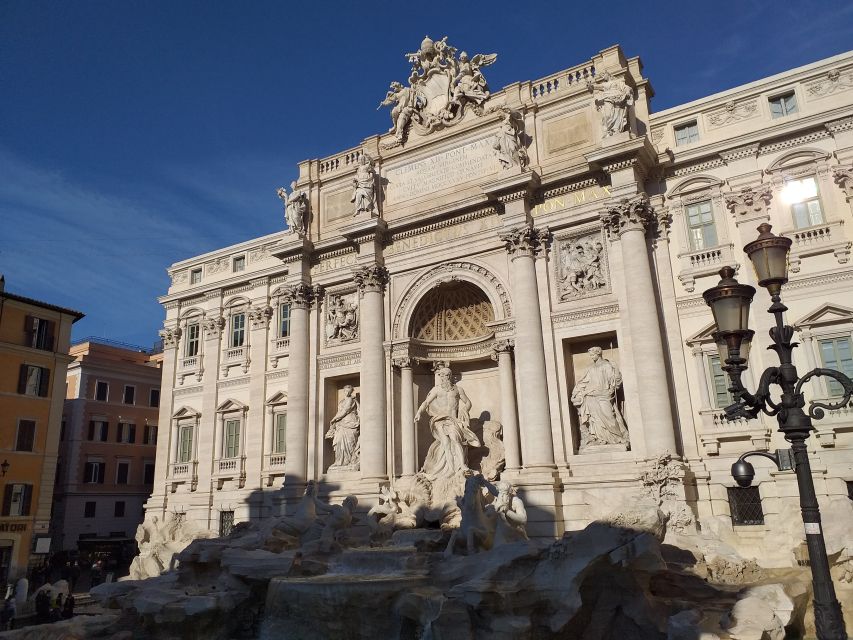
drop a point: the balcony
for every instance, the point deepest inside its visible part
(279, 347)
(234, 357)
(273, 467)
(715, 430)
(179, 469)
(183, 473)
(229, 469)
(191, 366)
(823, 238)
(703, 262)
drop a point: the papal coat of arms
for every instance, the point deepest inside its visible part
(441, 87)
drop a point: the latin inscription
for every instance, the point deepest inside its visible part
(463, 230)
(442, 171)
(572, 199)
(333, 264)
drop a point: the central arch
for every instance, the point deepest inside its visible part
(452, 312)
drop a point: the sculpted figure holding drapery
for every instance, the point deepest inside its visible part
(612, 99)
(295, 209)
(364, 186)
(594, 396)
(343, 432)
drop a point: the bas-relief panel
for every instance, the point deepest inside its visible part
(581, 268)
(341, 318)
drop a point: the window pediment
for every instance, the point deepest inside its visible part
(185, 412)
(231, 405)
(277, 399)
(704, 336)
(826, 314)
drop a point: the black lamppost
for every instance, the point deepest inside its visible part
(729, 302)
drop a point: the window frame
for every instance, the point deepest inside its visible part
(819, 340)
(17, 443)
(132, 402)
(279, 444)
(233, 330)
(241, 260)
(184, 453)
(106, 395)
(151, 393)
(34, 386)
(284, 320)
(192, 341)
(124, 462)
(780, 97)
(231, 441)
(789, 179)
(98, 469)
(147, 438)
(196, 276)
(94, 509)
(116, 509)
(145, 466)
(712, 387)
(126, 433)
(712, 223)
(692, 136)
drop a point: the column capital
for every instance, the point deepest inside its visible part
(629, 214)
(403, 362)
(525, 241)
(370, 278)
(260, 316)
(170, 337)
(213, 326)
(749, 201)
(298, 296)
(502, 346)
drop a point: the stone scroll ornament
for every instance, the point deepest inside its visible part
(442, 86)
(295, 209)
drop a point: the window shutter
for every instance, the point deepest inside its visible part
(102, 468)
(50, 335)
(119, 428)
(131, 438)
(91, 429)
(7, 500)
(29, 324)
(26, 435)
(27, 500)
(22, 379)
(44, 381)
(105, 431)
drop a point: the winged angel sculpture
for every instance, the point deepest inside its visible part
(441, 87)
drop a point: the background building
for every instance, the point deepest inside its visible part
(109, 440)
(560, 215)
(34, 338)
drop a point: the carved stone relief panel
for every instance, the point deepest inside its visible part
(581, 267)
(341, 319)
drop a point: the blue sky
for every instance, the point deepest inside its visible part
(135, 134)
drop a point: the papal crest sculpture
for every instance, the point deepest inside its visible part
(441, 87)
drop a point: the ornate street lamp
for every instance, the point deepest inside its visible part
(729, 302)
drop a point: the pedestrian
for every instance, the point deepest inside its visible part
(7, 617)
(68, 607)
(42, 606)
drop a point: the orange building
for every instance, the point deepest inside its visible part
(106, 468)
(34, 341)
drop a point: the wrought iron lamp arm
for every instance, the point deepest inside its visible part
(816, 408)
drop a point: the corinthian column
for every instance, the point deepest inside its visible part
(537, 448)
(407, 415)
(371, 282)
(299, 297)
(628, 220)
(509, 422)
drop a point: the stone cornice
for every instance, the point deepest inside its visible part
(569, 317)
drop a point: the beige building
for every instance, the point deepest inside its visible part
(108, 446)
(505, 234)
(34, 338)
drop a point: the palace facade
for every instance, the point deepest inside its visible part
(506, 234)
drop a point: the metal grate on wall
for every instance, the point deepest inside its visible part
(745, 506)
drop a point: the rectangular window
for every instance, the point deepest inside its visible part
(700, 225)
(17, 499)
(686, 134)
(99, 430)
(232, 438)
(154, 398)
(118, 509)
(226, 523)
(122, 472)
(185, 444)
(26, 435)
(191, 344)
(129, 396)
(126, 433)
(745, 506)
(150, 434)
(804, 199)
(239, 264)
(89, 509)
(238, 329)
(783, 105)
(33, 381)
(836, 354)
(284, 321)
(720, 395)
(148, 473)
(102, 391)
(94, 471)
(40, 333)
(195, 276)
(280, 432)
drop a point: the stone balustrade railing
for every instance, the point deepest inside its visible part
(827, 237)
(550, 85)
(697, 263)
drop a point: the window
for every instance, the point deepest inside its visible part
(185, 444)
(700, 225)
(122, 472)
(129, 396)
(148, 473)
(239, 264)
(154, 398)
(17, 499)
(102, 391)
(33, 381)
(118, 509)
(26, 435)
(195, 276)
(226, 523)
(94, 471)
(836, 354)
(284, 321)
(238, 329)
(719, 383)
(99, 430)
(191, 345)
(783, 105)
(804, 199)
(89, 509)
(280, 432)
(686, 134)
(150, 434)
(126, 432)
(39, 333)
(745, 506)
(232, 438)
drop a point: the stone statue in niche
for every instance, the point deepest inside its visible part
(493, 462)
(341, 320)
(449, 422)
(581, 267)
(612, 98)
(343, 432)
(295, 209)
(364, 186)
(594, 395)
(509, 145)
